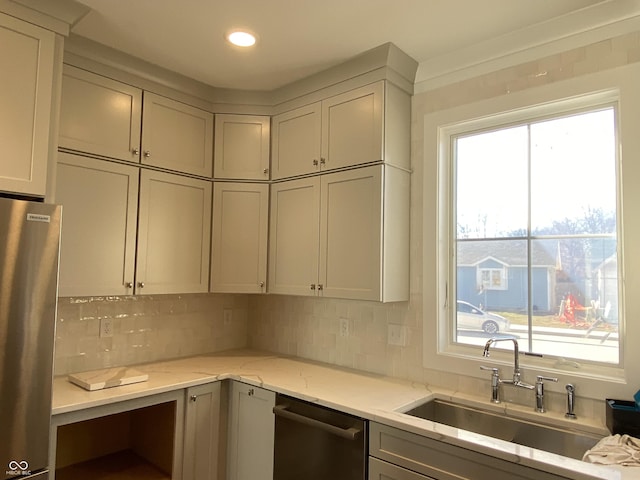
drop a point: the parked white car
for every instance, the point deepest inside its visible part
(471, 317)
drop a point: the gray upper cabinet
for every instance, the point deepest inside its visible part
(353, 127)
(239, 237)
(27, 52)
(107, 118)
(176, 136)
(99, 115)
(242, 147)
(98, 249)
(174, 234)
(361, 126)
(296, 142)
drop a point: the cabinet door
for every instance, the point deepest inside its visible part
(100, 205)
(352, 127)
(296, 142)
(350, 233)
(239, 244)
(251, 430)
(201, 432)
(176, 136)
(99, 115)
(242, 147)
(174, 233)
(293, 236)
(27, 59)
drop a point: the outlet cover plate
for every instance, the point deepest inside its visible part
(397, 335)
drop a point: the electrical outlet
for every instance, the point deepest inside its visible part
(397, 335)
(106, 327)
(228, 316)
(344, 327)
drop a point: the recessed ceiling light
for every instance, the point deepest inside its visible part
(241, 38)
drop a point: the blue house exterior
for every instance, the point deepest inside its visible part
(494, 274)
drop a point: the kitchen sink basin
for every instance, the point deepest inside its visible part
(565, 442)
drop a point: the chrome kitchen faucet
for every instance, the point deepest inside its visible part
(516, 381)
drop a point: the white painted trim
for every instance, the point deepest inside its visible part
(583, 27)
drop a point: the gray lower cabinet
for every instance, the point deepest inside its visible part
(202, 432)
(399, 455)
(251, 430)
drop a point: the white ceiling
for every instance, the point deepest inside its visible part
(300, 37)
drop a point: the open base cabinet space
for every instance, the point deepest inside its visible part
(135, 444)
(124, 465)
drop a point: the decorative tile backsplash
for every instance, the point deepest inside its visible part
(146, 328)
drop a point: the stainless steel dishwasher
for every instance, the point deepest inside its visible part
(317, 443)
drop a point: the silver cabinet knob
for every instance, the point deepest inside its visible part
(146, 154)
(315, 162)
(129, 284)
(320, 287)
(265, 171)
(312, 286)
(193, 398)
(251, 392)
(261, 284)
(141, 284)
(135, 151)
(322, 161)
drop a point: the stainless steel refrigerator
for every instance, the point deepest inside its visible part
(29, 252)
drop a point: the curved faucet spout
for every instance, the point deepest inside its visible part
(516, 355)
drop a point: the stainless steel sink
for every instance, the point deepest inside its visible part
(565, 442)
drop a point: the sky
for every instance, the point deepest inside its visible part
(573, 167)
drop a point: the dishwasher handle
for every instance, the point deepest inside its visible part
(350, 433)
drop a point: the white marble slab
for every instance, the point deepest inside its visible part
(373, 397)
(107, 378)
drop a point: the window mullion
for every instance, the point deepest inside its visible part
(529, 246)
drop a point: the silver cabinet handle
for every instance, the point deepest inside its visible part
(193, 398)
(350, 433)
(141, 284)
(261, 284)
(146, 153)
(129, 284)
(135, 151)
(250, 392)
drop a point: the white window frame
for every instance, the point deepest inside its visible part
(603, 88)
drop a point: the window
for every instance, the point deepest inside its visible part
(491, 279)
(613, 93)
(534, 232)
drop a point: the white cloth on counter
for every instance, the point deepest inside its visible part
(615, 450)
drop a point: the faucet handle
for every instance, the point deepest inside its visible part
(540, 378)
(494, 370)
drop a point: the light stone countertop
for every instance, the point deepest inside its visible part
(370, 396)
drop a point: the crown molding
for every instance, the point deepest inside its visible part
(58, 16)
(583, 27)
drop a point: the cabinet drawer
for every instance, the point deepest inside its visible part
(379, 470)
(442, 461)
